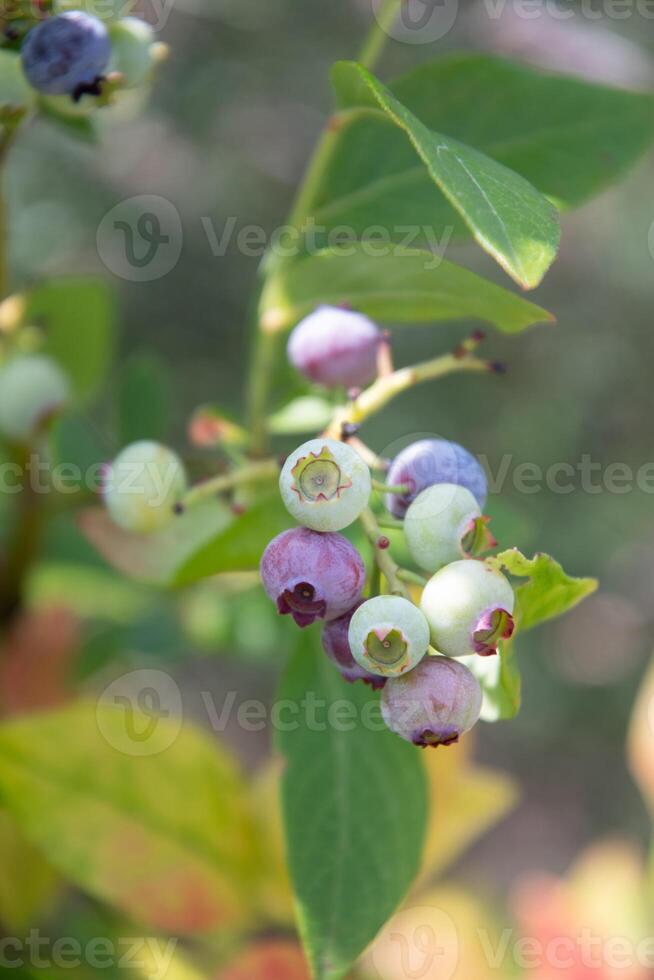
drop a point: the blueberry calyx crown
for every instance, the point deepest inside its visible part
(494, 625)
(428, 738)
(477, 537)
(386, 647)
(301, 604)
(318, 477)
(93, 87)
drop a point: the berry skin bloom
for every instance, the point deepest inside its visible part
(443, 524)
(325, 485)
(337, 647)
(434, 704)
(32, 388)
(468, 607)
(312, 576)
(142, 486)
(430, 461)
(388, 635)
(335, 347)
(66, 54)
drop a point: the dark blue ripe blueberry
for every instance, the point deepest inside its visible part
(67, 54)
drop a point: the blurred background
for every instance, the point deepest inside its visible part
(225, 138)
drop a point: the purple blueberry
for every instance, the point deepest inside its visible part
(312, 575)
(67, 54)
(434, 704)
(336, 645)
(335, 347)
(430, 461)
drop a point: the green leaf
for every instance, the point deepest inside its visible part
(206, 539)
(508, 217)
(28, 884)
(570, 139)
(237, 546)
(355, 810)
(500, 681)
(96, 787)
(143, 399)
(308, 413)
(14, 88)
(550, 592)
(78, 319)
(404, 286)
(155, 558)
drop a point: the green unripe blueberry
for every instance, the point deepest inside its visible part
(32, 388)
(434, 704)
(131, 50)
(388, 635)
(142, 486)
(468, 607)
(443, 524)
(325, 485)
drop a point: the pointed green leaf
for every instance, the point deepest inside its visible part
(403, 286)
(550, 592)
(567, 137)
(155, 558)
(239, 545)
(354, 801)
(307, 413)
(570, 138)
(507, 216)
(500, 681)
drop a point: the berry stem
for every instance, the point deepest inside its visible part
(384, 390)
(400, 489)
(267, 317)
(24, 541)
(10, 120)
(413, 578)
(374, 43)
(383, 558)
(390, 523)
(264, 470)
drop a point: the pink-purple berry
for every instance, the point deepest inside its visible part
(312, 575)
(430, 461)
(337, 647)
(434, 704)
(333, 347)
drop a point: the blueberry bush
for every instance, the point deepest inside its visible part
(394, 606)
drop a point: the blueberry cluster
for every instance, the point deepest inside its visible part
(73, 53)
(314, 573)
